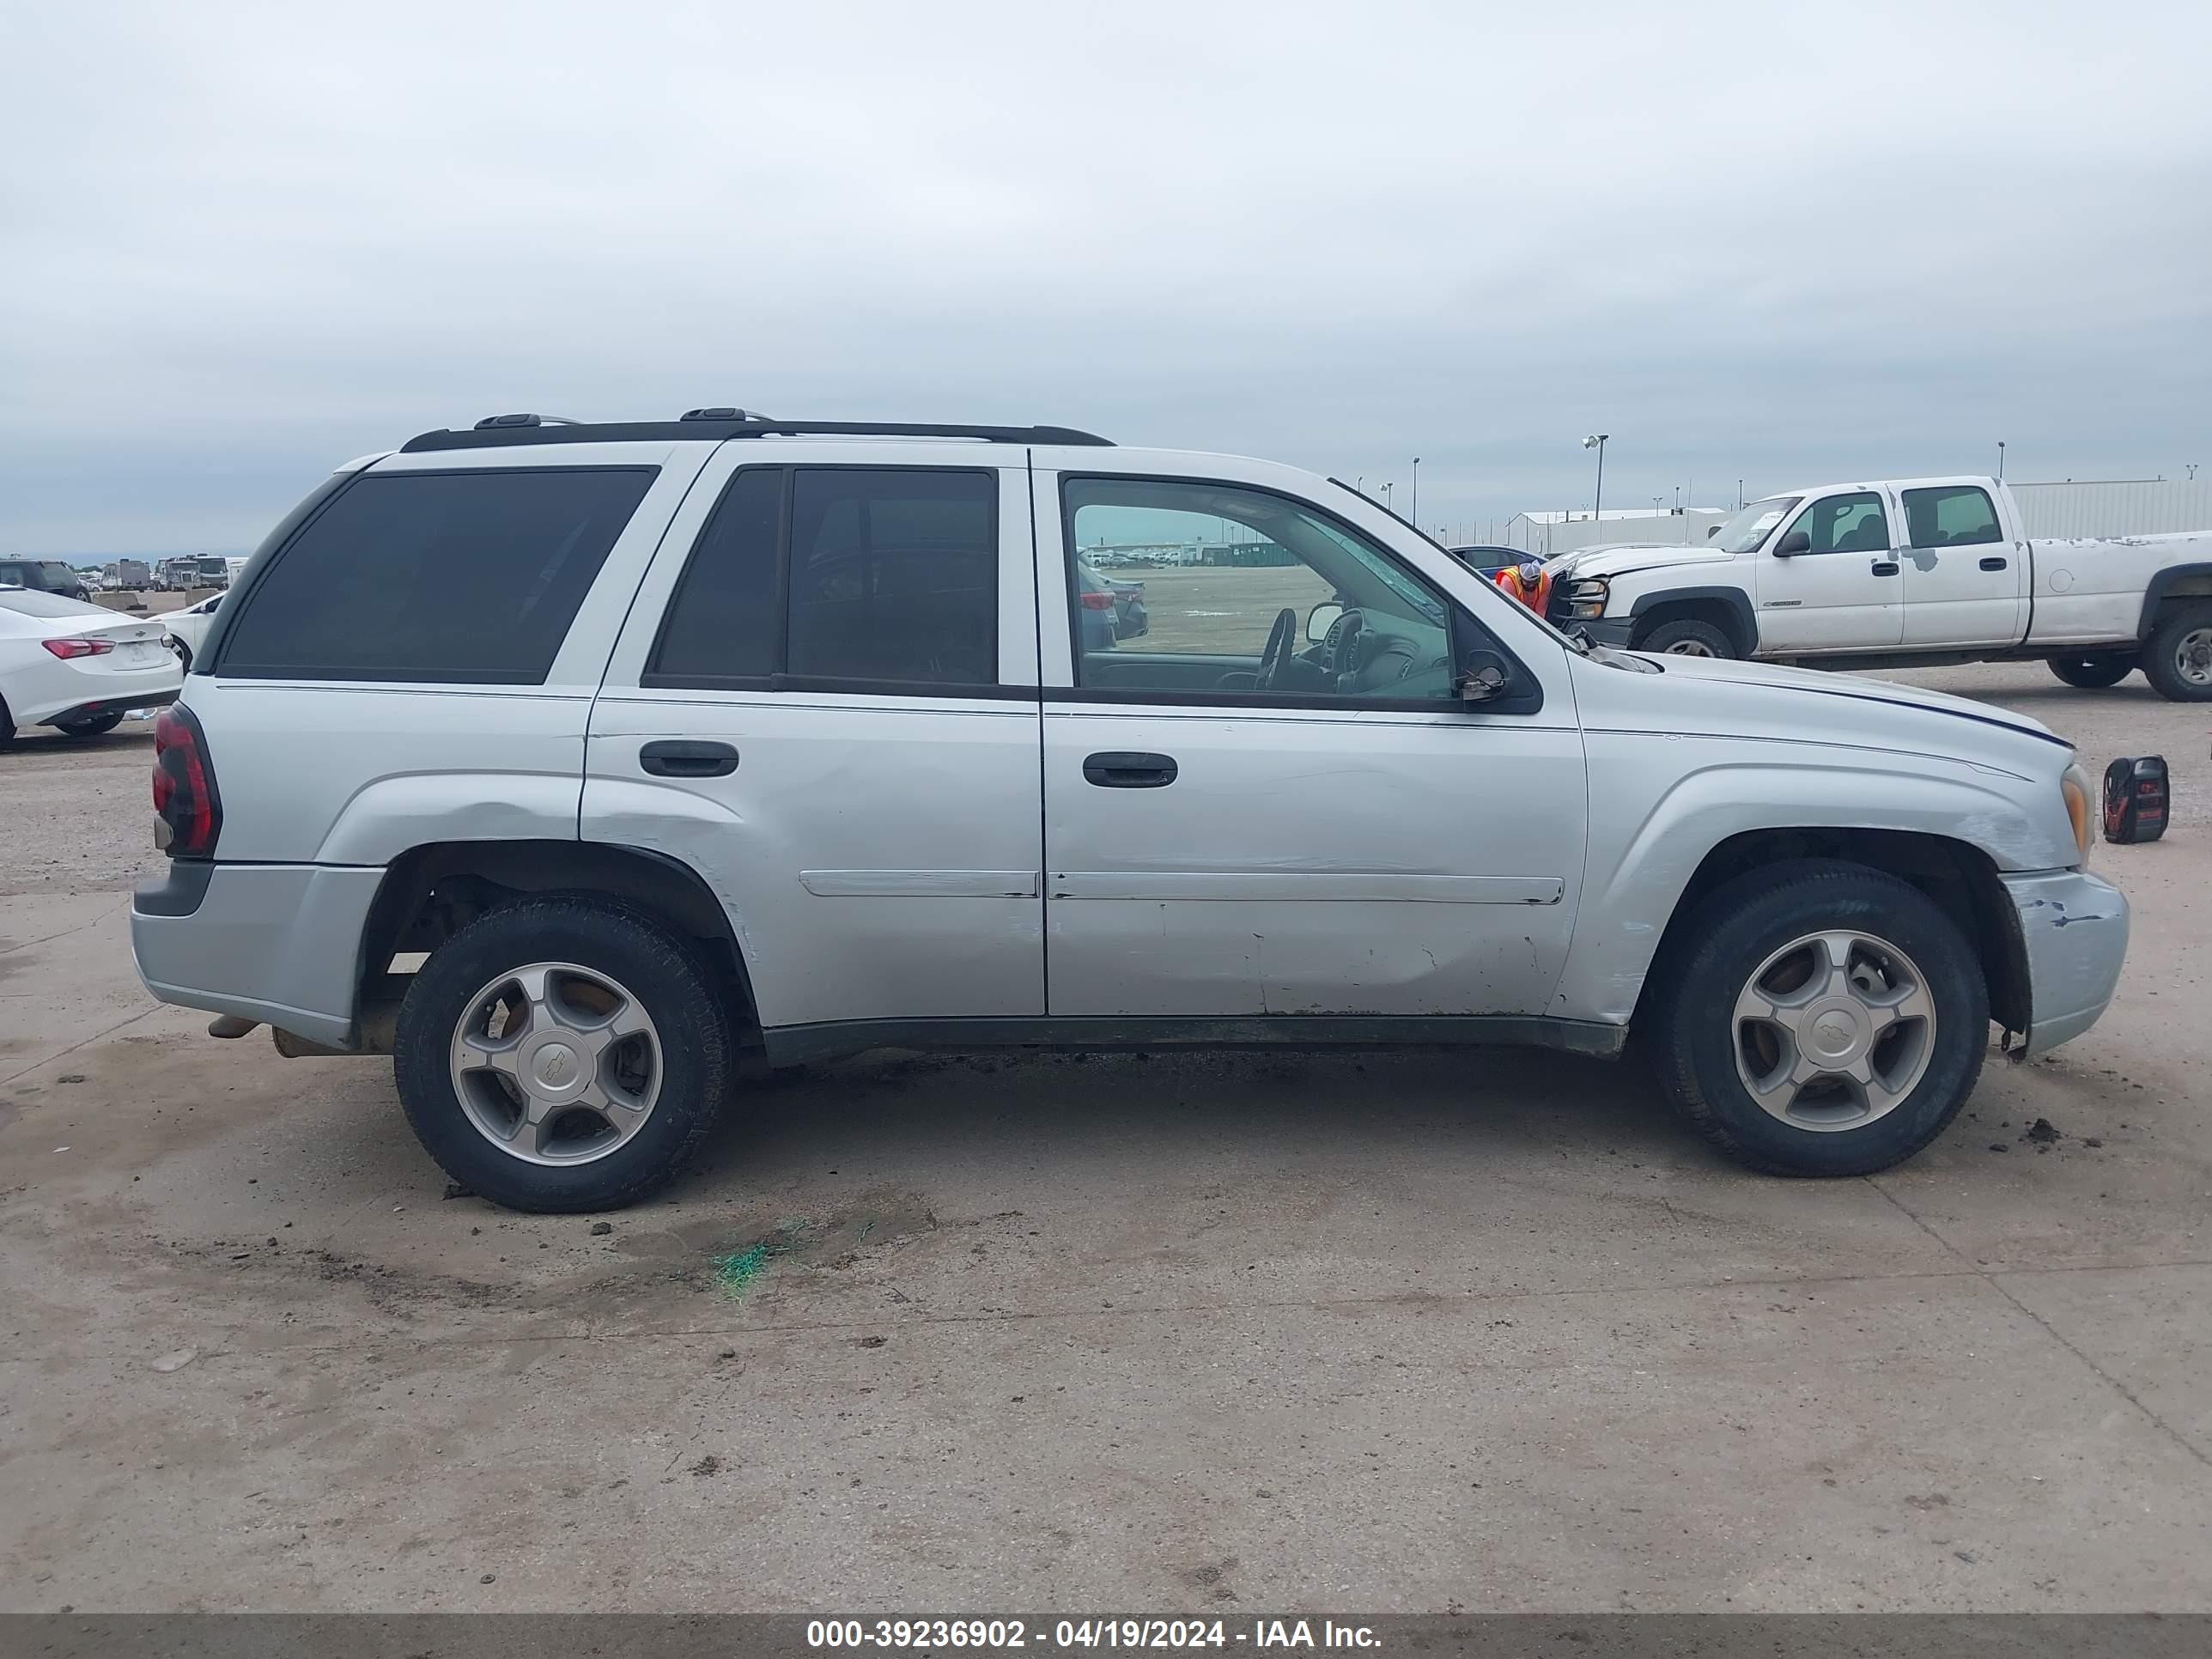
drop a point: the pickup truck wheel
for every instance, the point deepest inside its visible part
(1688, 639)
(560, 1054)
(2177, 658)
(1829, 1020)
(2095, 673)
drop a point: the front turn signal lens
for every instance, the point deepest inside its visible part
(2080, 807)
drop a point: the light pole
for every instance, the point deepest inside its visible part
(1386, 495)
(1413, 495)
(1596, 441)
(2001, 460)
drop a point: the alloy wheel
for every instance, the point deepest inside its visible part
(1833, 1030)
(555, 1063)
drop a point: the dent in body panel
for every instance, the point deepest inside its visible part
(1712, 789)
(2074, 929)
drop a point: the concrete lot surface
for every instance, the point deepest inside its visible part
(1407, 1331)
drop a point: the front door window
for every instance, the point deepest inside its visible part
(1194, 586)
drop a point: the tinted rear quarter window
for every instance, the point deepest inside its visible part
(435, 576)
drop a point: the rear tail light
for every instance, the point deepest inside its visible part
(66, 649)
(184, 797)
(1098, 601)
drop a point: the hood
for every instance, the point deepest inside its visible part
(1621, 559)
(1853, 698)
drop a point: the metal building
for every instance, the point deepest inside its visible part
(1565, 531)
(2115, 506)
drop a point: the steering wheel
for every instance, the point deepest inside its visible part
(1278, 649)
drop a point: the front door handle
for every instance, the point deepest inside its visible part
(1993, 563)
(1884, 567)
(1120, 768)
(671, 757)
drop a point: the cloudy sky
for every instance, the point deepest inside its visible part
(239, 243)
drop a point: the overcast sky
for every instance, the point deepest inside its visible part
(239, 244)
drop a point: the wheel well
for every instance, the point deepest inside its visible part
(431, 892)
(1713, 612)
(2182, 591)
(1961, 880)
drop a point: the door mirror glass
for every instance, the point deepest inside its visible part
(1483, 678)
(1795, 542)
(1323, 617)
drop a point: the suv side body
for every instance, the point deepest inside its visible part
(824, 721)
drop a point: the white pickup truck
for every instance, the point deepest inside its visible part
(1900, 572)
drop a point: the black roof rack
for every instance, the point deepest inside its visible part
(713, 425)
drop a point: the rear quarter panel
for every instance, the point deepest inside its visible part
(354, 772)
(2092, 589)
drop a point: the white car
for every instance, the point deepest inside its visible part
(662, 744)
(77, 667)
(1900, 571)
(188, 629)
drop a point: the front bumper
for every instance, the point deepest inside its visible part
(2074, 929)
(276, 943)
(1613, 631)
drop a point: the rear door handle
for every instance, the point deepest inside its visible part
(1993, 564)
(670, 757)
(1120, 768)
(1884, 567)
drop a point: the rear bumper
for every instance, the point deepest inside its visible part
(276, 943)
(2075, 930)
(93, 711)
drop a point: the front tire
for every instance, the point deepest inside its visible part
(2095, 673)
(561, 1054)
(1829, 1020)
(1688, 639)
(2177, 658)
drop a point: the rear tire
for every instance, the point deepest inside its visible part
(7, 726)
(2177, 658)
(626, 960)
(2095, 673)
(99, 726)
(1712, 1043)
(1688, 639)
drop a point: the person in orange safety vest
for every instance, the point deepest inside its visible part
(1529, 582)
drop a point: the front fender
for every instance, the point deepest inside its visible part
(1648, 591)
(1641, 862)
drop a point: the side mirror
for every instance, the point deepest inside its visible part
(1794, 543)
(1323, 617)
(1711, 530)
(1484, 677)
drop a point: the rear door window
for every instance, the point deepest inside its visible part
(1951, 515)
(862, 577)
(471, 577)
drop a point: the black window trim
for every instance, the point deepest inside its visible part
(1464, 631)
(239, 600)
(1881, 504)
(1904, 505)
(651, 678)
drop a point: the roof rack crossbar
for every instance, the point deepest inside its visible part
(713, 425)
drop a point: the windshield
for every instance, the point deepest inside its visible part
(1749, 527)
